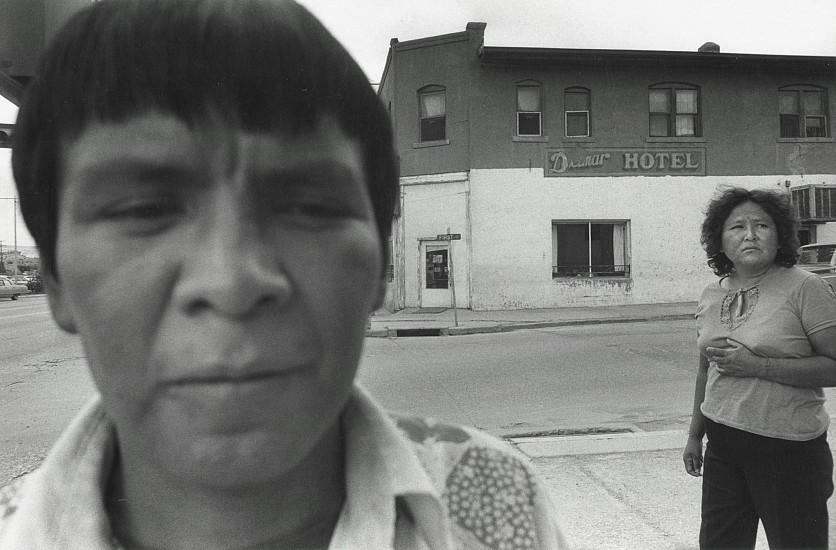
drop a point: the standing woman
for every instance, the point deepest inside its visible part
(767, 338)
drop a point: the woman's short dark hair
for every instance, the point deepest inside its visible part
(257, 65)
(776, 204)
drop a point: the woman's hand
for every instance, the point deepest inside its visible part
(734, 360)
(692, 456)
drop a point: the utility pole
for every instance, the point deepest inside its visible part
(14, 214)
(452, 281)
(450, 237)
(14, 218)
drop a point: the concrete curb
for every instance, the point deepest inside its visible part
(523, 325)
(552, 446)
(607, 443)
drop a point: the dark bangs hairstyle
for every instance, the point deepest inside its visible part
(776, 204)
(256, 65)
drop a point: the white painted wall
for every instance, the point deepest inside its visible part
(8, 111)
(8, 114)
(430, 205)
(510, 237)
(8, 223)
(826, 233)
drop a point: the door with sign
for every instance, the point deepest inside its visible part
(435, 277)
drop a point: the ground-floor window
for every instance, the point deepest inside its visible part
(590, 248)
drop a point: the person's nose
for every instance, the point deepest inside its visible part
(232, 271)
(751, 233)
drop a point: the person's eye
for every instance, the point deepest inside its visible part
(320, 210)
(146, 215)
(314, 212)
(146, 210)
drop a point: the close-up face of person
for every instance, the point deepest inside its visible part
(750, 238)
(219, 281)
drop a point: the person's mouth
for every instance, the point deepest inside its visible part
(231, 374)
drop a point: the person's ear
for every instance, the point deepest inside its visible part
(61, 310)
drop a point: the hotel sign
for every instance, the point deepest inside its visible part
(624, 162)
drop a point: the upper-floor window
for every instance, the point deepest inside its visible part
(802, 111)
(529, 109)
(576, 112)
(433, 101)
(674, 110)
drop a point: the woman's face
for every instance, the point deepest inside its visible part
(750, 238)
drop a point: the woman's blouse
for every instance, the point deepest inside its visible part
(772, 319)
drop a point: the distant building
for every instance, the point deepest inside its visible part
(26, 26)
(579, 177)
(11, 92)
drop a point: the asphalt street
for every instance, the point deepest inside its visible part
(636, 376)
(43, 381)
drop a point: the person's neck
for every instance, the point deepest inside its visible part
(300, 510)
(745, 278)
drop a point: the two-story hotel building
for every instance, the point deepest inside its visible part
(541, 177)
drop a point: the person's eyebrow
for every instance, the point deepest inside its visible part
(318, 174)
(136, 170)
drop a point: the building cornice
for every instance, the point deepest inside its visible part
(548, 57)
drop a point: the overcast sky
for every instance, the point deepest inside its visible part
(800, 27)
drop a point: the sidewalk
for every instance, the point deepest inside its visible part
(611, 491)
(442, 321)
(628, 491)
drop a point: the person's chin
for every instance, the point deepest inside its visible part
(229, 446)
(231, 460)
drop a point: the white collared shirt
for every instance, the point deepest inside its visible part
(410, 483)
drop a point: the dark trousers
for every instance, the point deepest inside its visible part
(783, 483)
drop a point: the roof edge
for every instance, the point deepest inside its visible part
(11, 89)
(471, 29)
(510, 55)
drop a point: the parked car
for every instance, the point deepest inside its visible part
(8, 289)
(18, 279)
(35, 284)
(819, 258)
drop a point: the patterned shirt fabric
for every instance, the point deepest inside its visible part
(773, 319)
(411, 483)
